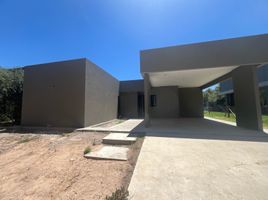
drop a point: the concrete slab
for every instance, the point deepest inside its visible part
(200, 128)
(202, 159)
(124, 127)
(221, 121)
(119, 139)
(227, 122)
(109, 153)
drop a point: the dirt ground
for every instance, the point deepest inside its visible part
(52, 166)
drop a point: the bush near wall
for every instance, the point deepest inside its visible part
(11, 86)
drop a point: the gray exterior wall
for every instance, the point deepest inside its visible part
(174, 102)
(101, 95)
(53, 94)
(262, 73)
(128, 105)
(219, 59)
(247, 97)
(191, 102)
(73, 93)
(228, 52)
(132, 86)
(167, 105)
(128, 98)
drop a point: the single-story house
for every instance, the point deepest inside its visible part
(77, 93)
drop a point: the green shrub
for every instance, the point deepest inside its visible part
(119, 194)
(24, 140)
(87, 150)
(11, 85)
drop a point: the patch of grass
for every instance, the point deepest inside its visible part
(120, 121)
(6, 123)
(141, 135)
(87, 150)
(119, 194)
(265, 121)
(66, 134)
(24, 140)
(221, 116)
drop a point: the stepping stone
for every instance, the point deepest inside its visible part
(109, 153)
(118, 139)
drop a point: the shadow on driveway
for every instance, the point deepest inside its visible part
(196, 128)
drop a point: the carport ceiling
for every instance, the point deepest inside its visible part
(188, 78)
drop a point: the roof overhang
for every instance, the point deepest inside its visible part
(188, 78)
(195, 65)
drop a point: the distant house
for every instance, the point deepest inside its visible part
(226, 88)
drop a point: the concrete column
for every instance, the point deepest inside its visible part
(147, 88)
(247, 98)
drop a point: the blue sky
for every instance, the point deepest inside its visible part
(112, 32)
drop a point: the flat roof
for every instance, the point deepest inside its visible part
(194, 65)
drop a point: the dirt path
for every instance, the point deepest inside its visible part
(35, 166)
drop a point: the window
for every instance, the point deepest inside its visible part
(153, 100)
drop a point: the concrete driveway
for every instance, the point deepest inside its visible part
(209, 160)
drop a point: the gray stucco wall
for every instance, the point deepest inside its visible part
(73, 93)
(262, 74)
(167, 102)
(247, 97)
(53, 94)
(128, 98)
(128, 107)
(101, 95)
(228, 52)
(132, 86)
(191, 102)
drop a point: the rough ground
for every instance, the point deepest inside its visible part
(52, 166)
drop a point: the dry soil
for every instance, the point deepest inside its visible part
(52, 166)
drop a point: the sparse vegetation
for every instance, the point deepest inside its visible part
(87, 150)
(120, 121)
(119, 194)
(24, 140)
(96, 142)
(213, 100)
(141, 135)
(66, 134)
(56, 160)
(11, 83)
(222, 116)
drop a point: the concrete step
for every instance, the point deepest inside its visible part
(109, 153)
(119, 139)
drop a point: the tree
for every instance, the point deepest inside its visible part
(213, 98)
(11, 86)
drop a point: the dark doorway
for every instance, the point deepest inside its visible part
(118, 108)
(140, 105)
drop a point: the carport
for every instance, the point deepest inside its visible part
(175, 76)
(193, 158)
